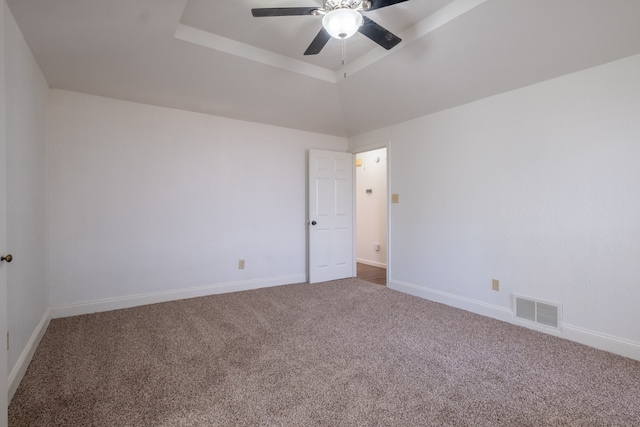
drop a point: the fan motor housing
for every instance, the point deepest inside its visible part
(329, 5)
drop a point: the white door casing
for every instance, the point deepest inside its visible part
(331, 216)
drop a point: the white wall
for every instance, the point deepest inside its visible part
(26, 132)
(538, 188)
(163, 203)
(372, 207)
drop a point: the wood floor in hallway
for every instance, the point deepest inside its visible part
(372, 274)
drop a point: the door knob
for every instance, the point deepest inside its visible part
(313, 223)
(7, 258)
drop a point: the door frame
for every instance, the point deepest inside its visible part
(363, 149)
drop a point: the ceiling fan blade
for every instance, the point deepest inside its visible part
(378, 34)
(283, 11)
(318, 43)
(377, 4)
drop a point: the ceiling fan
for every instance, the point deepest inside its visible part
(341, 19)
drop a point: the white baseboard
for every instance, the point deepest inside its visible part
(20, 368)
(593, 339)
(600, 341)
(474, 306)
(108, 304)
(371, 263)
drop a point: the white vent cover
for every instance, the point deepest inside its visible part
(537, 311)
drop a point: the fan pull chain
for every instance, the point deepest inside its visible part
(344, 57)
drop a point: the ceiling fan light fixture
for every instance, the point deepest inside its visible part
(342, 23)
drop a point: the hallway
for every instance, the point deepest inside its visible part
(372, 274)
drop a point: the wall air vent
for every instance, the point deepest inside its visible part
(543, 313)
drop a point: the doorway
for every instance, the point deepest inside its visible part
(372, 215)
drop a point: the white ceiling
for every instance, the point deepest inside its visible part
(212, 56)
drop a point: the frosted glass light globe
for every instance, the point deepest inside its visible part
(342, 23)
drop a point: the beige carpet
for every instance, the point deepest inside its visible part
(344, 353)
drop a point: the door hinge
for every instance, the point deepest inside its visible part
(7, 340)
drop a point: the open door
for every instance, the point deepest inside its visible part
(4, 383)
(331, 219)
(4, 389)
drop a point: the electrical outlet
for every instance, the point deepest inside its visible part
(241, 264)
(495, 284)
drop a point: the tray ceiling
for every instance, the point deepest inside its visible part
(214, 57)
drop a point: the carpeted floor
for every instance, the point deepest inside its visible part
(343, 353)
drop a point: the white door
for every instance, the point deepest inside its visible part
(331, 250)
(4, 389)
(4, 385)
